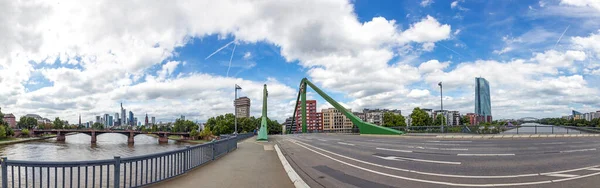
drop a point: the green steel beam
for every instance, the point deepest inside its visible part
(303, 98)
(262, 132)
(364, 127)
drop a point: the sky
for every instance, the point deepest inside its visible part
(172, 58)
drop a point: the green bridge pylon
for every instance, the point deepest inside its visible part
(363, 127)
(262, 132)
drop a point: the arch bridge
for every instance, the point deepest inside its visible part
(163, 136)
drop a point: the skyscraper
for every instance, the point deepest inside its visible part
(131, 122)
(80, 120)
(483, 104)
(153, 121)
(146, 121)
(123, 115)
(182, 118)
(117, 119)
(110, 121)
(106, 120)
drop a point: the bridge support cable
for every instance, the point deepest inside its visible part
(364, 127)
(262, 132)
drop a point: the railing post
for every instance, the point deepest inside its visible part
(552, 129)
(185, 158)
(117, 173)
(4, 173)
(536, 129)
(213, 150)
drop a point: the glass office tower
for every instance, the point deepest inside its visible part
(483, 104)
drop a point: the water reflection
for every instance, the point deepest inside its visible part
(78, 147)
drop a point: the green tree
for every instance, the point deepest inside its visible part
(420, 117)
(440, 119)
(27, 122)
(25, 133)
(194, 134)
(58, 124)
(205, 133)
(2, 132)
(465, 120)
(98, 126)
(393, 120)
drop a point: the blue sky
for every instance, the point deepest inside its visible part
(541, 57)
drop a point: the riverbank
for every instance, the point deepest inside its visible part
(19, 140)
(178, 138)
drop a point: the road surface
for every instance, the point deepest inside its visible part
(329, 160)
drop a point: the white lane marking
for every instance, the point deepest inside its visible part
(418, 160)
(344, 143)
(549, 143)
(584, 176)
(485, 154)
(398, 150)
(450, 141)
(578, 150)
(322, 140)
(562, 175)
(572, 170)
(419, 172)
(597, 169)
(419, 180)
(450, 149)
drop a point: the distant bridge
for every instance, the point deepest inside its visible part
(529, 119)
(163, 136)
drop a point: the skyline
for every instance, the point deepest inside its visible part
(539, 56)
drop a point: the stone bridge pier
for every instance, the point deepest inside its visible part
(60, 136)
(130, 139)
(93, 135)
(163, 138)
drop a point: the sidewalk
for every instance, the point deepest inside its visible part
(252, 164)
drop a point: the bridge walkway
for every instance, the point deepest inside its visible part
(252, 164)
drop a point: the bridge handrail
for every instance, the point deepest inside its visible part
(115, 172)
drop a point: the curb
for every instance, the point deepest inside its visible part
(516, 136)
(294, 177)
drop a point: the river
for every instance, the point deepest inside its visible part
(530, 128)
(77, 147)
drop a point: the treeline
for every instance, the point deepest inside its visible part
(225, 124)
(5, 130)
(564, 122)
(421, 118)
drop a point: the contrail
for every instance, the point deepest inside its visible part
(452, 50)
(218, 50)
(231, 58)
(561, 36)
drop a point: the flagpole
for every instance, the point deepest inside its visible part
(235, 108)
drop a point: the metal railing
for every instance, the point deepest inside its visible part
(475, 129)
(118, 172)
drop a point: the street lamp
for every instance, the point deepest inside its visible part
(234, 107)
(441, 107)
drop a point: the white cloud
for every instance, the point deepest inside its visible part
(418, 93)
(542, 3)
(457, 32)
(592, 42)
(453, 4)
(433, 66)
(167, 69)
(427, 30)
(428, 46)
(504, 50)
(247, 55)
(582, 3)
(425, 3)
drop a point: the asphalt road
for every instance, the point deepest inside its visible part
(329, 160)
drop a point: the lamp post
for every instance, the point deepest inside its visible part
(441, 107)
(235, 107)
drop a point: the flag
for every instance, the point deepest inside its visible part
(237, 87)
(440, 84)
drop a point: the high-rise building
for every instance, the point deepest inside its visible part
(98, 119)
(182, 118)
(153, 121)
(146, 121)
(110, 121)
(335, 121)
(472, 118)
(123, 115)
(314, 119)
(117, 120)
(483, 104)
(135, 121)
(288, 124)
(242, 107)
(106, 124)
(131, 119)
(577, 115)
(79, 120)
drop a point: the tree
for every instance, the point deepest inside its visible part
(2, 132)
(393, 120)
(27, 122)
(440, 119)
(194, 134)
(25, 133)
(97, 125)
(420, 117)
(205, 133)
(465, 120)
(58, 124)
(184, 126)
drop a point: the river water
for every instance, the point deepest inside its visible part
(530, 128)
(77, 147)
